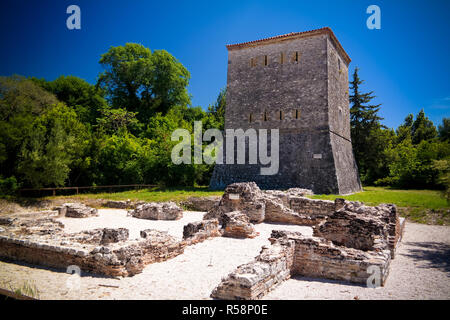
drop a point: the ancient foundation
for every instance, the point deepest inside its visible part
(350, 241)
(107, 251)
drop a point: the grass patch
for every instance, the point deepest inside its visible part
(423, 206)
(155, 194)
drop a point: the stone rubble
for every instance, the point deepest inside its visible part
(348, 238)
(199, 231)
(255, 279)
(236, 225)
(104, 250)
(121, 204)
(201, 203)
(77, 210)
(157, 211)
(245, 197)
(117, 204)
(291, 253)
(272, 205)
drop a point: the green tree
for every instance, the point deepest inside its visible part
(53, 144)
(404, 131)
(114, 120)
(216, 111)
(443, 167)
(422, 128)
(21, 101)
(444, 130)
(368, 136)
(84, 98)
(141, 81)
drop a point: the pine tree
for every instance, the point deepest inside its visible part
(368, 136)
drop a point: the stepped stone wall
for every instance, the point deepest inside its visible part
(255, 279)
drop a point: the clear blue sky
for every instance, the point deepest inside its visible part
(406, 63)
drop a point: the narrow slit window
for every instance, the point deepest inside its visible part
(265, 116)
(253, 62)
(250, 118)
(281, 115)
(297, 114)
(265, 60)
(282, 58)
(295, 57)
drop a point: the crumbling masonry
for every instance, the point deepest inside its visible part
(348, 238)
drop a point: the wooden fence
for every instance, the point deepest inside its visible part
(78, 189)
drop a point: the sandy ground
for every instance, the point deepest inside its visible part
(421, 269)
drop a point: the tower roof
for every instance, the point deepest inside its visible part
(291, 36)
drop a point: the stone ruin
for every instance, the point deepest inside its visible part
(201, 203)
(236, 224)
(348, 238)
(77, 210)
(290, 207)
(157, 211)
(104, 251)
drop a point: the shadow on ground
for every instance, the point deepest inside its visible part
(321, 280)
(434, 254)
(58, 270)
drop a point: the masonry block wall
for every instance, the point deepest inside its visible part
(297, 83)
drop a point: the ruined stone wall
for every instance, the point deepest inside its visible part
(293, 254)
(107, 251)
(320, 258)
(312, 207)
(255, 279)
(199, 231)
(354, 230)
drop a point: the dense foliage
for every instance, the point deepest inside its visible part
(67, 132)
(416, 155)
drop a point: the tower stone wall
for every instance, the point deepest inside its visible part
(297, 83)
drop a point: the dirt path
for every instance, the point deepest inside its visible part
(421, 269)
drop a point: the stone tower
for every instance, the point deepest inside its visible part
(297, 83)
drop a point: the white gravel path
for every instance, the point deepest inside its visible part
(420, 271)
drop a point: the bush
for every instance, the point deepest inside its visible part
(8, 186)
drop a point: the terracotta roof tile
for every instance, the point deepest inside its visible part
(325, 30)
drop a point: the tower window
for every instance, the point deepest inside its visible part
(281, 115)
(250, 118)
(297, 114)
(282, 58)
(295, 57)
(265, 116)
(265, 60)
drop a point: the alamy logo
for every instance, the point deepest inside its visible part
(374, 280)
(74, 20)
(74, 281)
(374, 20)
(257, 146)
